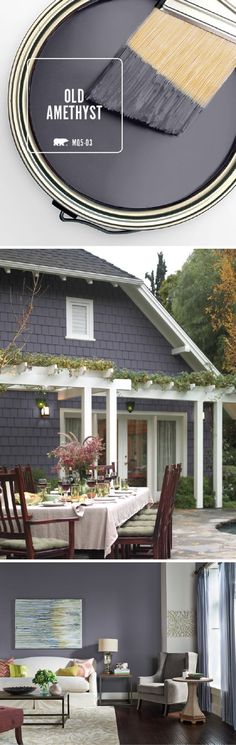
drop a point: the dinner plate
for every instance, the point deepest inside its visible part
(49, 503)
(158, 179)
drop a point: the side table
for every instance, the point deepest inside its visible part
(113, 676)
(192, 712)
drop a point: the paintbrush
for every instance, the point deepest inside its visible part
(173, 64)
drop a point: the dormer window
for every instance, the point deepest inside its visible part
(79, 319)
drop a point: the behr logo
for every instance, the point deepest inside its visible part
(60, 142)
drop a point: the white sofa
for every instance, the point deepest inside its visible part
(83, 692)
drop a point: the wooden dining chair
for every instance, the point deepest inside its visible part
(100, 474)
(150, 513)
(16, 540)
(154, 533)
(28, 479)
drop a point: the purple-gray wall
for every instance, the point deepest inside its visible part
(119, 601)
(123, 334)
(25, 437)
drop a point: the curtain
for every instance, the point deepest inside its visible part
(228, 651)
(203, 635)
(73, 424)
(166, 447)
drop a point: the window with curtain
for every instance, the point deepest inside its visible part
(166, 447)
(73, 424)
(214, 626)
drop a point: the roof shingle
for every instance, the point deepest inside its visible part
(69, 259)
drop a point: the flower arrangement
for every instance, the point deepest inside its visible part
(76, 456)
(43, 678)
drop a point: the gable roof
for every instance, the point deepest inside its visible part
(77, 262)
(74, 262)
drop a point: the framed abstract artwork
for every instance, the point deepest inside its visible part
(48, 624)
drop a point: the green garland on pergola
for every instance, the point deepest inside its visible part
(182, 382)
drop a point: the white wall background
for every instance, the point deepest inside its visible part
(178, 598)
(27, 217)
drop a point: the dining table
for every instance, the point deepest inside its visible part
(99, 518)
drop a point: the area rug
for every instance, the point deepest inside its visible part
(86, 727)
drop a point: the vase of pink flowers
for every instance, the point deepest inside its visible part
(76, 458)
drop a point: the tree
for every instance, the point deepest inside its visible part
(22, 323)
(190, 306)
(167, 291)
(156, 278)
(222, 305)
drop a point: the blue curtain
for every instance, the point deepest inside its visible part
(228, 651)
(202, 636)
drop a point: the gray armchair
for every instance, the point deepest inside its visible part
(161, 688)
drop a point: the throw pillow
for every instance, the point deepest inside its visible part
(4, 667)
(18, 671)
(87, 666)
(70, 671)
(174, 665)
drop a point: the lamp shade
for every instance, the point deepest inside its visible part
(108, 645)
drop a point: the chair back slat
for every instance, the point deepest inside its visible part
(27, 477)
(12, 515)
(166, 503)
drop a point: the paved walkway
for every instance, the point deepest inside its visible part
(195, 535)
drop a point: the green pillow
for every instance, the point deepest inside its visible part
(71, 671)
(18, 671)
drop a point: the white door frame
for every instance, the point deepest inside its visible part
(181, 419)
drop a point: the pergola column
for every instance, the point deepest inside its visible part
(198, 453)
(217, 452)
(86, 406)
(111, 421)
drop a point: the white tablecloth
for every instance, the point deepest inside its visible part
(97, 529)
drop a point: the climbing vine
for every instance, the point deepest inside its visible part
(182, 382)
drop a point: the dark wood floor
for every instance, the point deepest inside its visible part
(147, 727)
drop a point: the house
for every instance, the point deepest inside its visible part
(93, 332)
(147, 608)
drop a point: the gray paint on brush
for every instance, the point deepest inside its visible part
(119, 601)
(148, 96)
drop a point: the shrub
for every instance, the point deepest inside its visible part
(184, 496)
(229, 483)
(229, 453)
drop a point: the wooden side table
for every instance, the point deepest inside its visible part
(192, 712)
(113, 676)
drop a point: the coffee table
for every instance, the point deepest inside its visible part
(64, 698)
(192, 712)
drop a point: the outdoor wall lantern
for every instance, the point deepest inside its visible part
(43, 407)
(130, 406)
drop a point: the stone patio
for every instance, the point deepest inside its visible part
(195, 535)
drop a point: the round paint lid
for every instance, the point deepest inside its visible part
(156, 179)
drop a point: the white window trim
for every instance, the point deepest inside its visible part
(89, 305)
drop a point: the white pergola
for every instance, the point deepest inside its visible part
(85, 383)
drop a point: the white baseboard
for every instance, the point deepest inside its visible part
(120, 696)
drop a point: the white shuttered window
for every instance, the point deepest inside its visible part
(79, 318)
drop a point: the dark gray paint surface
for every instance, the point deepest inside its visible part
(154, 169)
(119, 601)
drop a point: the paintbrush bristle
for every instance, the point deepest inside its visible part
(171, 71)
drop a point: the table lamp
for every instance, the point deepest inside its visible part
(107, 646)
